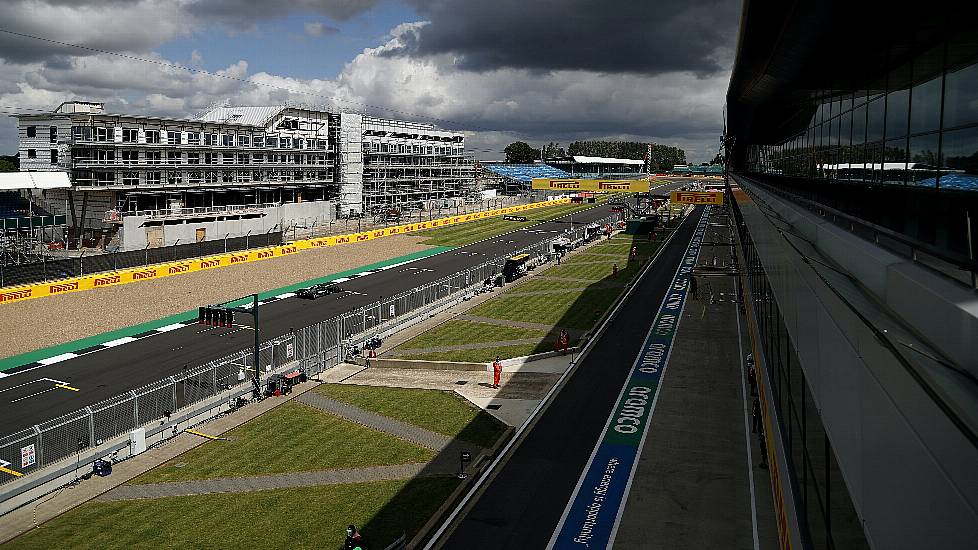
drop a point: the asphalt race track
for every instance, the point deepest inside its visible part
(37, 393)
(522, 503)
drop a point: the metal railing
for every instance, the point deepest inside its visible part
(956, 266)
(50, 268)
(163, 212)
(313, 348)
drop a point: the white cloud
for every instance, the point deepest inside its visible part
(495, 107)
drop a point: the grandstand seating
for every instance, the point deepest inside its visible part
(11, 204)
(526, 172)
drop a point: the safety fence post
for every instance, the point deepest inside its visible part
(40, 445)
(91, 427)
(135, 408)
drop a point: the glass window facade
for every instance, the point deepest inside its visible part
(824, 506)
(921, 130)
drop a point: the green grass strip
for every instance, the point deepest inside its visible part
(289, 438)
(474, 231)
(31, 356)
(455, 332)
(438, 411)
(487, 354)
(300, 518)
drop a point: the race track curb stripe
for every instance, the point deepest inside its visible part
(591, 517)
(85, 346)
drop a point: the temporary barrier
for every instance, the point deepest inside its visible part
(125, 276)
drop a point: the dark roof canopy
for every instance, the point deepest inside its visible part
(789, 51)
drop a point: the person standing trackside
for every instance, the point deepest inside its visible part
(497, 370)
(755, 417)
(694, 288)
(634, 253)
(353, 539)
(614, 271)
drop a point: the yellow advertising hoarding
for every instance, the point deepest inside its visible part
(697, 197)
(125, 276)
(603, 186)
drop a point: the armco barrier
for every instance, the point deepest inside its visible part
(126, 276)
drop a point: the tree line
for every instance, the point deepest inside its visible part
(664, 157)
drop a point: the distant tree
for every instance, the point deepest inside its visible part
(717, 159)
(663, 157)
(520, 152)
(552, 150)
(7, 166)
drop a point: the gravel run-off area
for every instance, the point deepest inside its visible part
(34, 324)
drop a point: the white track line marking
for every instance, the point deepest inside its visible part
(119, 341)
(168, 328)
(286, 295)
(57, 358)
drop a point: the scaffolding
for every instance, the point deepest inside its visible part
(411, 165)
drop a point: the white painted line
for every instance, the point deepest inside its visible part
(286, 295)
(3, 375)
(57, 358)
(32, 395)
(362, 273)
(119, 341)
(342, 279)
(168, 328)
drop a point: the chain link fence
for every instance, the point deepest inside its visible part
(49, 269)
(313, 348)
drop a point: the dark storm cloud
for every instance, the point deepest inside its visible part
(614, 36)
(139, 25)
(244, 13)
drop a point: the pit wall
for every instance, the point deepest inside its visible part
(112, 278)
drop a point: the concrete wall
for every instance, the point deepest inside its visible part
(135, 236)
(910, 471)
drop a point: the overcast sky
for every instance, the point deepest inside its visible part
(538, 70)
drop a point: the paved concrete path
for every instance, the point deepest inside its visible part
(458, 347)
(263, 483)
(566, 279)
(517, 324)
(374, 421)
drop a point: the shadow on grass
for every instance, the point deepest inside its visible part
(580, 317)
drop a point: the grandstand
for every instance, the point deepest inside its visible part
(515, 179)
(580, 166)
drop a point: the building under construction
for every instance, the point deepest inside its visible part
(142, 181)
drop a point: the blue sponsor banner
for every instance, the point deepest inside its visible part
(591, 517)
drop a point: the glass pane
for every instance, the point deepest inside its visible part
(897, 105)
(859, 125)
(845, 128)
(874, 124)
(874, 160)
(846, 103)
(847, 530)
(925, 108)
(923, 159)
(895, 162)
(959, 155)
(961, 97)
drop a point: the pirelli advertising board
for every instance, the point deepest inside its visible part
(697, 197)
(601, 186)
(125, 276)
